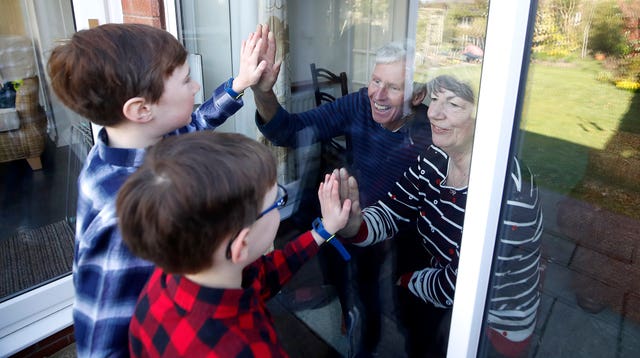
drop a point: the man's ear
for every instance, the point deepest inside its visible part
(239, 246)
(137, 109)
(417, 98)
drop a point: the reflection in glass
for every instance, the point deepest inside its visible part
(580, 135)
(36, 169)
(368, 305)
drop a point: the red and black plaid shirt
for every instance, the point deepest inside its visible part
(177, 317)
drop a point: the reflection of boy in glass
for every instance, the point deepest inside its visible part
(431, 197)
(203, 208)
(385, 130)
(133, 80)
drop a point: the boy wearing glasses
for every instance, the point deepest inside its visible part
(202, 208)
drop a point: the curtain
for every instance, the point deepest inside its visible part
(274, 13)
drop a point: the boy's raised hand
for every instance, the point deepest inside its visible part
(251, 65)
(335, 213)
(267, 54)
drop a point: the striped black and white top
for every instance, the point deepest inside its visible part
(422, 199)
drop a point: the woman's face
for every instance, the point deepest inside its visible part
(452, 122)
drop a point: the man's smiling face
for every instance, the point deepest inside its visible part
(386, 93)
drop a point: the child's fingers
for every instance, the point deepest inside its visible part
(335, 187)
(328, 188)
(346, 209)
(243, 48)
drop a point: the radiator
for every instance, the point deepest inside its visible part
(302, 101)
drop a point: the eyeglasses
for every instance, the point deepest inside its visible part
(281, 201)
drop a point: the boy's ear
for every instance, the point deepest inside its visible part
(137, 109)
(239, 246)
(417, 98)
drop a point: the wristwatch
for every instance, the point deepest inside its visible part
(228, 87)
(319, 228)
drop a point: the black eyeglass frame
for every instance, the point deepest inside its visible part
(281, 200)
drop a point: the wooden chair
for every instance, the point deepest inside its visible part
(320, 158)
(325, 84)
(27, 138)
(324, 79)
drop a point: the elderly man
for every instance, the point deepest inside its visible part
(384, 131)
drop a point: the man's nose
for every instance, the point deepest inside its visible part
(381, 92)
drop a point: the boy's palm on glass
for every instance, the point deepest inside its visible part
(267, 55)
(335, 213)
(251, 67)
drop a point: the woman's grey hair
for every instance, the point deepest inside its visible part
(450, 83)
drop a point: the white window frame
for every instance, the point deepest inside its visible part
(35, 315)
(39, 313)
(502, 71)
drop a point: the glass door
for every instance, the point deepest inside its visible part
(35, 232)
(42, 149)
(554, 275)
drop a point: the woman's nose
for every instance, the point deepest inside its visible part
(435, 111)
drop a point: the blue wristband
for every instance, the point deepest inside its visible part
(228, 87)
(319, 228)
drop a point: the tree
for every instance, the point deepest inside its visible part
(558, 27)
(607, 30)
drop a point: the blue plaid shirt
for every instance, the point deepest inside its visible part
(108, 279)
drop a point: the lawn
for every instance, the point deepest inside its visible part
(568, 103)
(567, 115)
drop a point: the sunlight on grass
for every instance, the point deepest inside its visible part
(568, 103)
(568, 117)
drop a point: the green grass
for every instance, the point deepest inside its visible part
(568, 103)
(567, 114)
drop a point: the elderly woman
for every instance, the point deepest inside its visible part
(431, 198)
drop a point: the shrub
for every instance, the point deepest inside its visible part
(604, 76)
(628, 85)
(607, 33)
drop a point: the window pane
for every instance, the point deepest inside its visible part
(355, 307)
(570, 287)
(38, 155)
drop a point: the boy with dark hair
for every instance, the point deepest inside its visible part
(134, 80)
(201, 207)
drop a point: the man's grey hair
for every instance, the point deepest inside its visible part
(450, 83)
(393, 52)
